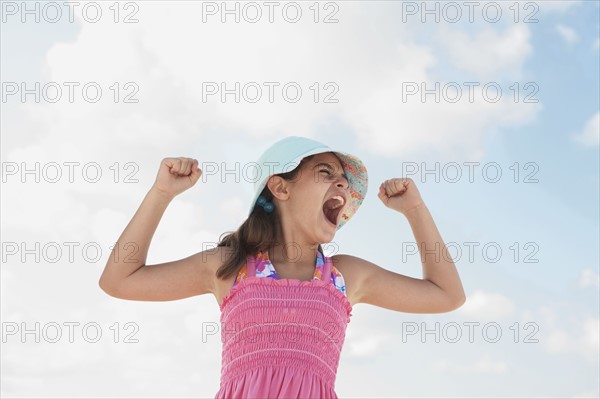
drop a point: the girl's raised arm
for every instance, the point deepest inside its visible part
(440, 290)
(126, 274)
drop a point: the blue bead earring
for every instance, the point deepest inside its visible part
(266, 205)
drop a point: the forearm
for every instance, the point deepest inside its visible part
(438, 267)
(131, 249)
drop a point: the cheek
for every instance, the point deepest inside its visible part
(309, 198)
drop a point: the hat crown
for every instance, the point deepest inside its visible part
(284, 156)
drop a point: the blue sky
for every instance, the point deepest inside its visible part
(169, 53)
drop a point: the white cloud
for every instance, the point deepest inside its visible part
(389, 127)
(584, 341)
(368, 67)
(362, 340)
(591, 336)
(589, 278)
(547, 315)
(485, 365)
(488, 53)
(587, 394)
(487, 305)
(366, 346)
(568, 34)
(553, 6)
(182, 231)
(235, 210)
(453, 125)
(590, 135)
(561, 329)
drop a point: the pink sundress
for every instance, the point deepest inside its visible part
(282, 338)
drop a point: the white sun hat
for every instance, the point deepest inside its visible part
(285, 155)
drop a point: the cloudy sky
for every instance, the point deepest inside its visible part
(492, 109)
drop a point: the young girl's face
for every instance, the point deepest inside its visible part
(316, 198)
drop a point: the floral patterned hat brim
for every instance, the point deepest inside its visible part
(358, 182)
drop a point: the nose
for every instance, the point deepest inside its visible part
(342, 182)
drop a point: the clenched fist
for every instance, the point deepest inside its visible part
(176, 175)
(400, 194)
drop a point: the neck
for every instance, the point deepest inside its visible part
(291, 249)
(291, 253)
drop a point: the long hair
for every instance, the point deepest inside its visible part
(258, 232)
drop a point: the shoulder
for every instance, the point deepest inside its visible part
(214, 257)
(350, 265)
(222, 286)
(355, 272)
(222, 255)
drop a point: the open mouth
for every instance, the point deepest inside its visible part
(332, 208)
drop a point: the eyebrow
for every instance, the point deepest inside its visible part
(331, 168)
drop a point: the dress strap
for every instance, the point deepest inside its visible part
(326, 276)
(250, 266)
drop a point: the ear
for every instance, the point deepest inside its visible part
(278, 187)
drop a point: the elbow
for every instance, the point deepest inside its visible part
(103, 286)
(102, 283)
(457, 303)
(107, 288)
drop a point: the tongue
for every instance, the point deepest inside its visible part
(330, 214)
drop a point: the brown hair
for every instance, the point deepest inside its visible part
(258, 232)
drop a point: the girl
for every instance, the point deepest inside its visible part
(284, 304)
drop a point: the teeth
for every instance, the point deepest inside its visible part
(340, 203)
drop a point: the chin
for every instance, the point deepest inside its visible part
(326, 234)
